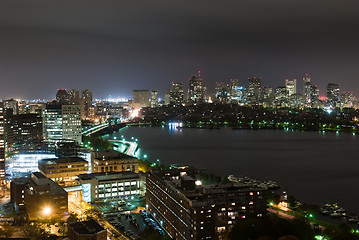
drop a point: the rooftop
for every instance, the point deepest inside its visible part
(50, 161)
(86, 227)
(111, 155)
(109, 175)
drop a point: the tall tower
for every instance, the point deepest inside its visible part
(176, 94)
(197, 90)
(154, 98)
(254, 90)
(307, 88)
(333, 93)
(291, 86)
(2, 144)
(87, 101)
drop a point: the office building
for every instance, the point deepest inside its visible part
(154, 99)
(235, 91)
(64, 171)
(17, 190)
(307, 88)
(314, 93)
(23, 130)
(291, 86)
(62, 122)
(141, 98)
(86, 230)
(254, 90)
(281, 94)
(74, 94)
(197, 90)
(13, 105)
(113, 161)
(222, 92)
(2, 144)
(176, 94)
(44, 198)
(332, 91)
(347, 100)
(86, 96)
(62, 97)
(185, 209)
(111, 186)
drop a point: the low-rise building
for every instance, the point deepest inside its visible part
(113, 161)
(111, 186)
(44, 198)
(63, 170)
(86, 230)
(17, 190)
(187, 210)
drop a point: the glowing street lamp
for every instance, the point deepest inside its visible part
(47, 211)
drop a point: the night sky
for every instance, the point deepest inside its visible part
(115, 46)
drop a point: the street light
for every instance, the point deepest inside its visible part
(47, 211)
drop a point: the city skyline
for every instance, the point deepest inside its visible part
(104, 47)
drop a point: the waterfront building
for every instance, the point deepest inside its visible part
(185, 209)
(176, 94)
(64, 171)
(167, 98)
(62, 122)
(332, 91)
(86, 230)
(113, 161)
(141, 98)
(291, 86)
(154, 99)
(197, 90)
(111, 185)
(43, 198)
(254, 90)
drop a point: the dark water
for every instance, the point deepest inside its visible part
(315, 167)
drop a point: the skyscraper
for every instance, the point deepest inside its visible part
(86, 95)
(291, 86)
(197, 90)
(254, 89)
(74, 94)
(154, 98)
(2, 144)
(307, 88)
(222, 92)
(332, 91)
(62, 122)
(141, 97)
(62, 96)
(176, 94)
(12, 104)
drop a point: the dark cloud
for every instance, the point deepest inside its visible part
(116, 46)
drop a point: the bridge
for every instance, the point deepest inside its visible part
(130, 150)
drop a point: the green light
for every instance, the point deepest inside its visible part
(145, 156)
(311, 215)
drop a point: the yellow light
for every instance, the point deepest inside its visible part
(47, 211)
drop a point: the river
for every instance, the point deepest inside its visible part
(315, 167)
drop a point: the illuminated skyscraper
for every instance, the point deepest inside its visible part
(333, 93)
(62, 122)
(74, 94)
(154, 98)
(2, 144)
(62, 96)
(12, 104)
(86, 95)
(254, 90)
(141, 97)
(222, 92)
(176, 94)
(197, 90)
(307, 88)
(291, 86)
(314, 93)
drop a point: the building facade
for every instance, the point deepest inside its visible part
(86, 230)
(113, 161)
(187, 210)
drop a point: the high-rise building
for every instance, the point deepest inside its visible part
(222, 92)
(2, 144)
(281, 95)
(307, 88)
(314, 93)
(62, 122)
(254, 90)
(347, 99)
(62, 96)
(74, 94)
(291, 86)
(333, 93)
(86, 95)
(185, 209)
(235, 90)
(176, 94)
(197, 90)
(141, 97)
(12, 104)
(154, 99)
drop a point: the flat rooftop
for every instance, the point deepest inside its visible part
(109, 176)
(111, 155)
(49, 161)
(86, 227)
